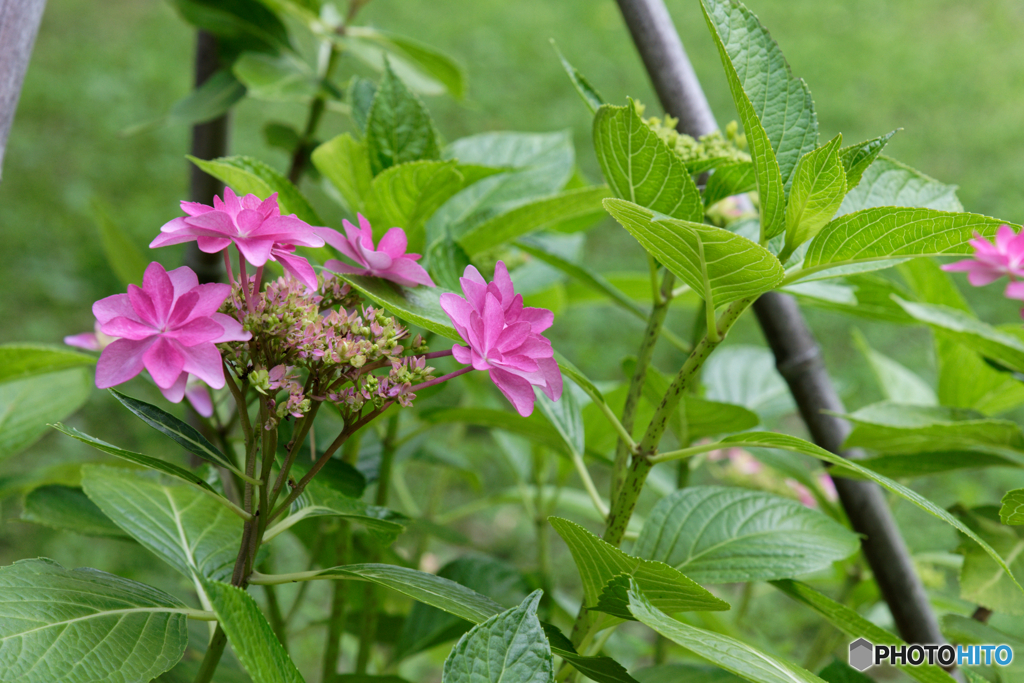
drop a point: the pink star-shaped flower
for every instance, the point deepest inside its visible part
(504, 337)
(388, 260)
(993, 261)
(255, 226)
(169, 326)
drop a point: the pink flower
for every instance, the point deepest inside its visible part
(992, 261)
(388, 260)
(803, 494)
(169, 327)
(90, 341)
(504, 338)
(828, 487)
(256, 227)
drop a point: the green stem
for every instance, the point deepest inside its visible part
(274, 614)
(298, 438)
(339, 595)
(214, 651)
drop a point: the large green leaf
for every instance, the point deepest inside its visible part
(276, 78)
(982, 581)
(792, 443)
(398, 128)
(640, 167)
(509, 647)
(730, 179)
(247, 24)
(18, 361)
(857, 158)
(819, 185)
(259, 650)
(434, 65)
(887, 182)
(898, 383)
(856, 626)
(715, 534)
(185, 435)
(178, 524)
(598, 668)
(319, 501)
(895, 429)
(346, 164)
(599, 562)
(407, 194)
(746, 376)
(246, 175)
(729, 653)
(84, 626)
(532, 216)
(973, 632)
(68, 508)
(1012, 510)
(28, 404)
(416, 305)
(962, 327)
(736, 267)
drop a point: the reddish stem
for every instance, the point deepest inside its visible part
(443, 378)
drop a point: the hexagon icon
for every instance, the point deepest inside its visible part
(861, 654)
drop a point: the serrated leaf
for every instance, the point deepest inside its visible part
(276, 78)
(18, 361)
(819, 185)
(988, 341)
(246, 175)
(857, 158)
(532, 216)
(640, 167)
(510, 646)
(259, 650)
(898, 384)
(416, 305)
(586, 91)
(736, 267)
(346, 164)
(883, 233)
(72, 626)
(178, 524)
(856, 626)
(599, 562)
(360, 94)
(29, 403)
(68, 508)
(728, 180)
(792, 443)
(408, 194)
(715, 534)
(435, 65)
(1012, 510)
(887, 182)
(185, 435)
(982, 581)
(123, 256)
(398, 126)
(446, 262)
(732, 655)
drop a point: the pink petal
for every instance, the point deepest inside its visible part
(458, 311)
(183, 280)
(182, 309)
(160, 290)
(407, 273)
(86, 340)
(255, 251)
(211, 296)
(1004, 237)
(513, 336)
(199, 396)
(297, 266)
(164, 361)
(473, 275)
(540, 319)
(393, 243)
(289, 230)
(126, 328)
(339, 242)
(166, 239)
(121, 361)
(195, 208)
(503, 282)
(269, 206)
(493, 320)
(176, 391)
(517, 390)
(112, 307)
(374, 260)
(198, 331)
(211, 245)
(552, 375)
(204, 362)
(142, 305)
(231, 203)
(474, 291)
(248, 221)
(233, 330)
(462, 354)
(1015, 290)
(214, 224)
(250, 202)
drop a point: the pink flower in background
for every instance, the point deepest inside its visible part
(388, 260)
(993, 261)
(504, 337)
(90, 341)
(828, 487)
(169, 327)
(803, 493)
(255, 226)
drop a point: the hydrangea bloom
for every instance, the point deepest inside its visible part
(387, 260)
(169, 327)
(993, 260)
(504, 337)
(255, 226)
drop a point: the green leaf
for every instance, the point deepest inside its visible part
(259, 650)
(416, 305)
(408, 194)
(728, 180)
(856, 626)
(361, 92)
(346, 163)
(920, 464)
(988, 341)
(746, 376)
(178, 524)
(185, 435)
(243, 23)
(757, 72)
(68, 508)
(73, 626)
(684, 673)
(213, 98)
(883, 233)
(138, 458)
(123, 256)
(276, 78)
(596, 668)
(246, 175)
(898, 384)
(366, 678)
(427, 626)
(532, 216)
(819, 185)
(28, 404)
(857, 158)
(446, 263)
(737, 268)
(730, 654)
(587, 92)
(786, 442)
(715, 534)
(319, 501)
(887, 182)
(398, 127)
(535, 427)
(18, 361)
(982, 580)
(841, 672)
(565, 416)
(599, 562)
(973, 632)
(1012, 510)
(510, 646)
(433, 64)
(640, 167)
